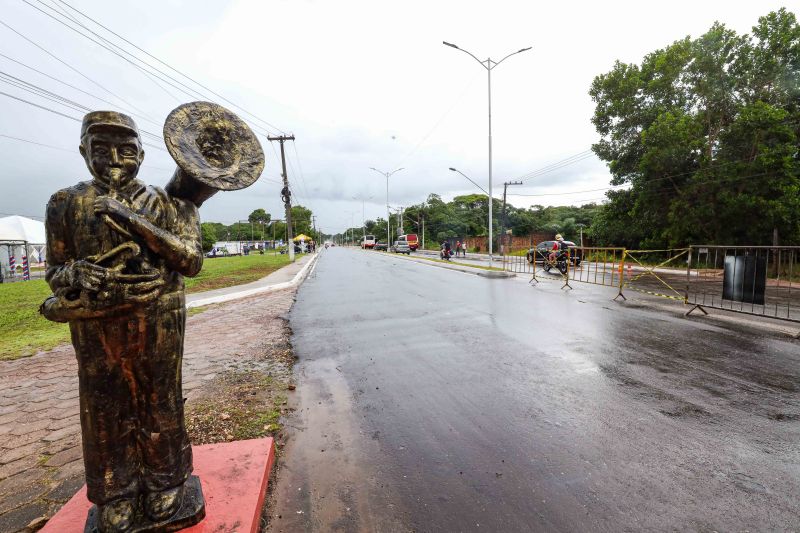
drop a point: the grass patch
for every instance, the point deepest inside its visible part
(191, 311)
(238, 405)
(229, 271)
(24, 332)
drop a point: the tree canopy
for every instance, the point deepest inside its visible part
(467, 216)
(703, 135)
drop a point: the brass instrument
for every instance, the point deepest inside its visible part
(215, 151)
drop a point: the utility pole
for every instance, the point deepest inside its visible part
(504, 222)
(286, 194)
(400, 230)
(581, 226)
(314, 230)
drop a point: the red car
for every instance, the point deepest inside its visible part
(413, 241)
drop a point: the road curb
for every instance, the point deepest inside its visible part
(296, 280)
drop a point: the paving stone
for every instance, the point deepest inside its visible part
(9, 456)
(62, 413)
(73, 429)
(10, 417)
(66, 489)
(75, 468)
(56, 424)
(67, 442)
(22, 480)
(22, 496)
(65, 456)
(18, 519)
(18, 466)
(17, 441)
(69, 394)
(21, 429)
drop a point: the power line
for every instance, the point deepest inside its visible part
(72, 68)
(44, 93)
(20, 63)
(71, 151)
(185, 89)
(45, 108)
(575, 158)
(269, 125)
(116, 53)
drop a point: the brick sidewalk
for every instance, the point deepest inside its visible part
(41, 464)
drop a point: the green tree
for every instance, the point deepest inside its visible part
(259, 216)
(208, 235)
(704, 135)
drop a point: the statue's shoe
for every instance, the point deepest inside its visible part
(161, 505)
(116, 516)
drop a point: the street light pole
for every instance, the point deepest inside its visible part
(488, 64)
(363, 216)
(388, 216)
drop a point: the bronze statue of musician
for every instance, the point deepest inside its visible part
(117, 252)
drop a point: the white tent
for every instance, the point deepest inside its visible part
(16, 228)
(21, 236)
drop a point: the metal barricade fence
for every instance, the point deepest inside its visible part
(755, 280)
(658, 273)
(596, 265)
(517, 263)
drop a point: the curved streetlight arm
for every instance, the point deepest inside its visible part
(470, 179)
(467, 52)
(509, 55)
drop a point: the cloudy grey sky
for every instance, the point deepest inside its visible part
(360, 83)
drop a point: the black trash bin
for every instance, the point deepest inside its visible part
(745, 278)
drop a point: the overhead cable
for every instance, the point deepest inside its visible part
(253, 116)
(73, 68)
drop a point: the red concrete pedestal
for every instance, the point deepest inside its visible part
(234, 478)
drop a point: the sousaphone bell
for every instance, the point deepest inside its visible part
(214, 149)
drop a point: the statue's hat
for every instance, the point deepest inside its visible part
(108, 119)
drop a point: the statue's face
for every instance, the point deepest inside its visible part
(113, 156)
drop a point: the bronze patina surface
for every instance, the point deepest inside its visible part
(117, 252)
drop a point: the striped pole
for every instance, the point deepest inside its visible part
(26, 273)
(12, 265)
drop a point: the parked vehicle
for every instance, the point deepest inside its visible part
(543, 249)
(401, 247)
(413, 241)
(368, 241)
(380, 246)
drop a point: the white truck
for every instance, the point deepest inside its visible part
(368, 241)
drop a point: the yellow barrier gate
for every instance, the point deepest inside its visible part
(652, 279)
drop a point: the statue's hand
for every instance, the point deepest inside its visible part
(115, 208)
(87, 276)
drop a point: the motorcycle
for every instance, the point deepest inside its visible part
(445, 253)
(560, 263)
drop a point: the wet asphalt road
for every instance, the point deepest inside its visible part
(432, 400)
